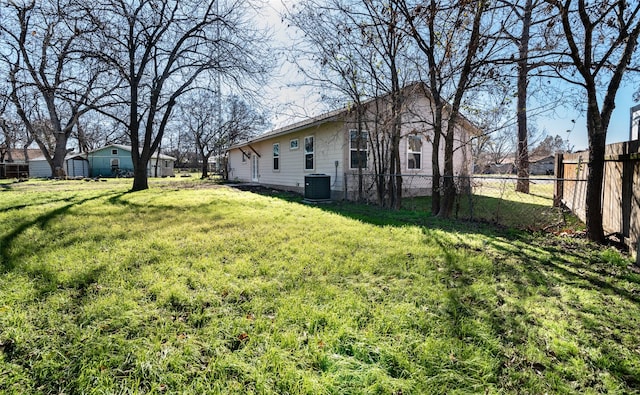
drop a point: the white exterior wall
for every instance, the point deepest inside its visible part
(165, 168)
(239, 170)
(329, 142)
(39, 168)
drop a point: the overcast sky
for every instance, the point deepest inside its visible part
(292, 102)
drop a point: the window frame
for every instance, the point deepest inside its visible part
(114, 151)
(309, 153)
(276, 157)
(411, 154)
(294, 144)
(356, 149)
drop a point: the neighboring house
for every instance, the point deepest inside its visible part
(538, 166)
(14, 162)
(18, 155)
(328, 144)
(506, 167)
(115, 160)
(542, 165)
(75, 165)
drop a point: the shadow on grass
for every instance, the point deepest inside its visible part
(535, 280)
(414, 212)
(22, 206)
(526, 293)
(7, 261)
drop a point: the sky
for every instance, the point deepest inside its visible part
(292, 102)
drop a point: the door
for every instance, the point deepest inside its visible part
(254, 168)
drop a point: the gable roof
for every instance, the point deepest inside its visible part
(294, 127)
(336, 115)
(17, 155)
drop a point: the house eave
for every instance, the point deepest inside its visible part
(296, 127)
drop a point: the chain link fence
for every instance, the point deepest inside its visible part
(491, 199)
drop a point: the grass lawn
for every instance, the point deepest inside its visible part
(191, 287)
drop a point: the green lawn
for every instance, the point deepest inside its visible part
(191, 287)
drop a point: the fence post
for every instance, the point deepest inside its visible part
(558, 189)
(346, 197)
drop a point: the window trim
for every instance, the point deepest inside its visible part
(276, 157)
(114, 151)
(410, 153)
(294, 144)
(312, 153)
(351, 149)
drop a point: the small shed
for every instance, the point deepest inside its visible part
(75, 165)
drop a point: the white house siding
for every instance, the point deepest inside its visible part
(239, 170)
(329, 144)
(332, 147)
(73, 167)
(419, 181)
(165, 167)
(39, 168)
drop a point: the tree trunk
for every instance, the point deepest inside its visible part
(205, 166)
(597, 142)
(522, 158)
(448, 183)
(140, 180)
(57, 161)
(435, 164)
(140, 161)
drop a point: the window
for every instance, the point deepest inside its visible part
(308, 153)
(276, 156)
(114, 152)
(115, 164)
(358, 148)
(244, 157)
(414, 152)
(293, 144)
(166, 163)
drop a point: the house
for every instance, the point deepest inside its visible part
(75, 165)
(14, 162)
(542, 165)
(19, 156)
(115, 160)
(329, 144)
(538, 165)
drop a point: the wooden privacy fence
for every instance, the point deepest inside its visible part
(620, 190)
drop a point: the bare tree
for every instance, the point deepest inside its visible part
(600, 40)
(453, 40)
(163, 49)
(333, 57)
(213, 133)
(526, 25)
(52, 85)
(94, 131)
(360, 49)
(14, 135)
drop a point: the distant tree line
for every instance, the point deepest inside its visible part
(129, 64)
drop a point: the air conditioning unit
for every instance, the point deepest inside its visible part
(317, 187)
